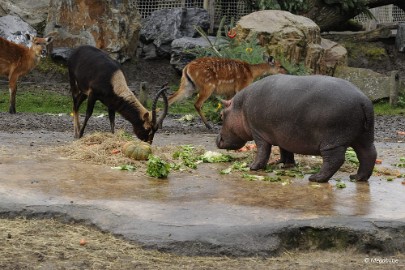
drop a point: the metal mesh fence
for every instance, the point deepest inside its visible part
(146, 7)
(229, 8)
(384, 14)
(237, 8)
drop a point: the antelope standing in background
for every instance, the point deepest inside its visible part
(17, 60)
(220, 76)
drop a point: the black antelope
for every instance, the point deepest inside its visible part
(96, 76)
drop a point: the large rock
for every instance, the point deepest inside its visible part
(400, 38)
(375, 85)
(166, 25)
(13, 28)
(185, 49)
(110, 25)
(32, 12)
(296, 37)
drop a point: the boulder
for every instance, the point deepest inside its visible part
(184, 50)
(334, 55)
(165, 25)
(295, 37)
(110, 25)
(375, 85)
(14, 29)
(32, 12)
(400, 38)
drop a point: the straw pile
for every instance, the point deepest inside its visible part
(106, 148)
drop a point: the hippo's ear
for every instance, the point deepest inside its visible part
(226, 103)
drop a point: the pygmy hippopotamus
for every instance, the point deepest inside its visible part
(309, 115)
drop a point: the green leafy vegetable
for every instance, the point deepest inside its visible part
(157, 167)
(236, 166)
(126, 167)
(340, 185)
(290, 173)
(215, 157)
(226, 171)
(252, 177)
(351, 156)
(187, 155)
(272, 179)
(401, 163)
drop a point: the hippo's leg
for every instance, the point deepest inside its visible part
(333, 159)
(262, 156)
(287, 158)
(366, 154)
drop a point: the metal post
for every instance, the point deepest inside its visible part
(205, 5)
(394, 87)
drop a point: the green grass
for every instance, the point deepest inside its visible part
(384, 108)
(38, 101)
(42, 101)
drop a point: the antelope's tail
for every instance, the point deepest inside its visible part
(185, 90)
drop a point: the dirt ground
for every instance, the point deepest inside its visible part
(51, 244)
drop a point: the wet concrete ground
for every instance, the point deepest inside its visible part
(203, 212)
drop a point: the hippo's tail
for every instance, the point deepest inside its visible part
(368, 112)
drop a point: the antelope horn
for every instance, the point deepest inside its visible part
(156, 123)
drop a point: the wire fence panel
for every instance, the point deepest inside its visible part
(384, 14)
(146, 7)
(231, 9)
(238, 8)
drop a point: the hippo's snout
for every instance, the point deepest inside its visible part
(218, 141)
(229, 143)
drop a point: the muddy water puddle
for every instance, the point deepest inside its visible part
(29, 174)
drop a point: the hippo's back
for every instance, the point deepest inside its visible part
(310, 110)
(313, 85)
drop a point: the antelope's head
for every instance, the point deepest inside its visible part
(39, 44)
(275, 66)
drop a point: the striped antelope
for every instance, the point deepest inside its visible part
(220, 76)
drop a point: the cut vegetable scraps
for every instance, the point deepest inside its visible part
(215, 157)
(340, 185)
(186, 118)
(125, 167)
(187, 154)
(253, 177)
(236, 166)
(157, 167)
(351, 156)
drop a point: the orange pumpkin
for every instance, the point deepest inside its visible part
(137, 150)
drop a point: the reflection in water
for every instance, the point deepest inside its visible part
(205, 186)
(362, 199)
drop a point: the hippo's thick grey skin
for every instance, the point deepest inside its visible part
(310, 115)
